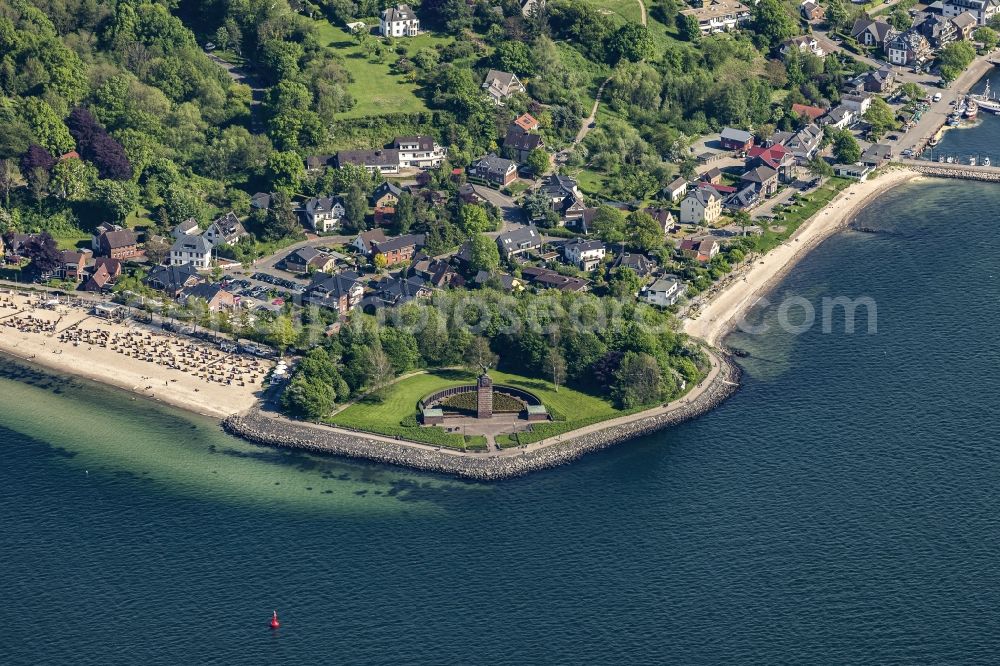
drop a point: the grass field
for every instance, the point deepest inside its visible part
(625, 9)
(573, 408)
(793, 216)
(377, 90)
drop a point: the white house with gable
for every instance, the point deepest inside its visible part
(399, 21)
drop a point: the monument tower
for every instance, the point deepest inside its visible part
(484, 387)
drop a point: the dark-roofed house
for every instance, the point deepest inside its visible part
(323, 214)
(341, 292)
(744, 199)
(501, 85)
(316, 163)
(438, 272)
(386, 194)
(872, 33)
(764, 180)
(564, 197)
(308, 258)
(584, 254)
(907, 48)
(494, 169)
(214, 296)
(876, 155)
(420, 151)
(375, 161)
(112, 266)
(736, 139)
(173, 279)
(702, 205)
(72, 266)
(194, 250)
(840, 117)
(811, 11)
(261, 201)
(939, 30)
(518, 143)
(880, 80)
(981, 10)
(663, 217)
(121, 244)
(518, 241)
(503, 281)
(805, 143)
(640, 263)
(365, 240)
(701, 248)
(545, 278)
(399, 249)
(391, 291)
(227, 230)
(99, 280)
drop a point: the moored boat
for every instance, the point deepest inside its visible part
(986, 161)
(986, 100)
(971, 109)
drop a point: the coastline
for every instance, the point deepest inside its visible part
(745, 287)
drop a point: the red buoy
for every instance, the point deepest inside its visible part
(274, 621)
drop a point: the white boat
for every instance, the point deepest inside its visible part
(950, 160)
(986, 100)
(986, 161)
(972, 161)
(941, 160)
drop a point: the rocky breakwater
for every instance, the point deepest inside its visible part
(987, 174)
(259, 428)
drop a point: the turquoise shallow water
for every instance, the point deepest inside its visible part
(841, 508)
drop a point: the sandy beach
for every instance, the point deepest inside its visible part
(172, 369)
(748, 284)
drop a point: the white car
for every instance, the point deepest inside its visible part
(937, 97)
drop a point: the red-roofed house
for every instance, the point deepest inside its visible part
(811, 112)
(527, 122)
(776, 157)
(722, 189)
(71, 155)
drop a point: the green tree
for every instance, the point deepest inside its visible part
(474, 220)
(478, 355)
(631, 42)
(638, 381)
(644, 233)
(281, 333)
(485, 256)
(307, 397)
(954, 58)
(988, 37)
(538, 161)
(688, 28)
(900, 19)
(820, 168)
(49, 129)
(355, 207)
(624, 283)
(772, 23)
(120, 198)
(609, 224)
(516, 57)
(406, 214)
(913, 91)
(839, 15)
(880, 117)
(286, 170)
(845, 148)
(555, 367)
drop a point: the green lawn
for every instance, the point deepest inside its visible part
(573, 408)
(625, 9)
(791, 218)
(377, 90)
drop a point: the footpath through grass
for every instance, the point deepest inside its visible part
(396, 414)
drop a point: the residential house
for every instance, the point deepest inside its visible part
(112, 266)
(736, 139)
(802, 44)
(583, 222)
(545, 278)
(763, 179)
(102, 228)
(664, 292)
(72, 266)
(743, 199)
(374, 161)
(675, 189)
(384, 215)
(965, 24)
(366, 240)
(855, 171)
(713, 176)
(518, 143)
(908, 48)
(214, 295)
(194, 250)
(804, 144)
(663, 217)
(493, 169)
(811, 11)
(386, 194)
(701, 248)
(341, 292)
(719, 15)
(642, 265)
(398, 21)
(776, 157)
(872, 33)
(392, 291)
(527, 122)
(564, 197)
(173, 279)
(419, 151)
(99, 280)
(877, 155)
(261, 200)
(499, 86)
(398, 249)
(879, 81)
(317, 163)
(471, 193)
(505, 282)
(515, 242)
(840, 117)
(812, 113)
(981, 10)
(437, 272)
(584, 254)
(121, 244)
(323, 214)
(188, 227)
(856, 102)
(308, 259)
(227, 230)
(701, 206)
(939, 30)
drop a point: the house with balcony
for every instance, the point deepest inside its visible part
(398, 21)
